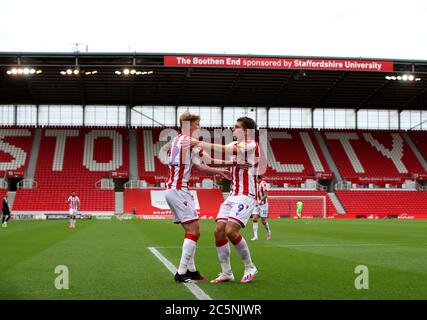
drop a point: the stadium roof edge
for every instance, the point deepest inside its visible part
(162, 54)
(207, 85)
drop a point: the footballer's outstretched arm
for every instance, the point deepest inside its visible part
(199, 165)
(217, 163)
(204, 168)
(228, 148)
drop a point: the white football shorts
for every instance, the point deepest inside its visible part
(182, 205)
(262, 210)
(237, 209)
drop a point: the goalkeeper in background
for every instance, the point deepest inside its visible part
(299, 209)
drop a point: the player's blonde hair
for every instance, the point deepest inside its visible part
(187, 116)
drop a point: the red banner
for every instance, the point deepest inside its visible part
(420, 176)
(278, 63)
(15, 174)
(152, 204)
(120, 174)
(377, 180)
(324, 175)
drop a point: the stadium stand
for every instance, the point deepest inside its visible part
(150, 166)
(15, 148)
(294, 156)
(372, 156)
(420, 140)
(75, 159)
(3, 193)
(383, 203)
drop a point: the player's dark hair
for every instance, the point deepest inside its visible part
(248, 123)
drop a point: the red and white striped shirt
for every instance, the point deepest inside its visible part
(244, 182)
(262, 187)
(181, 162)
(73, 202)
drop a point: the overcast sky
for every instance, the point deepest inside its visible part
(362, 28)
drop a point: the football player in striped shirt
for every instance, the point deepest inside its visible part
(236, 210)
(261, 209)
(73, 205)
(184, 155)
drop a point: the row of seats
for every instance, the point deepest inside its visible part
(55, 200)
(15, 148)
(3, 193)
(420, 140)
(383, 202)
(294, 153)
(372, 154)
(290, 153)
(73, 165)
(75, 159)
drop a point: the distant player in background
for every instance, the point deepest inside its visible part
(73, 203)
(6, 212)
(261, 210)
(299, 209)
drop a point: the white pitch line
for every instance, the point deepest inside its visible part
(305, 245)
(198, 293)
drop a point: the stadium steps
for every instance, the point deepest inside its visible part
(415, 150)
(32, 163)
(133, 155)
(314, 157)
(328, 157)
(119, 202)
(337, 203)
(148, 152)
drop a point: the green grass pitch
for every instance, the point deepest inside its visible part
(306, 259)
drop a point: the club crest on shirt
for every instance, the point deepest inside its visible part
(242, 144)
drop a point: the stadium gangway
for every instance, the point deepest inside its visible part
(27, 184)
